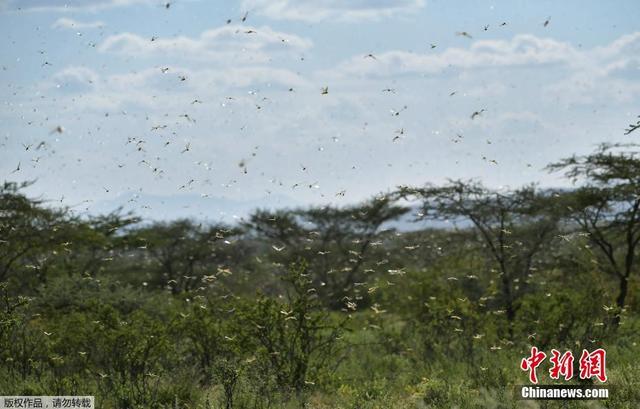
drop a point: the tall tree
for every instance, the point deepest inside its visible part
(514, 226)
(336, 242)
(30, 233)
(186, 254)
(606, 206)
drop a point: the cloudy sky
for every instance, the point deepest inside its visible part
(184, 109)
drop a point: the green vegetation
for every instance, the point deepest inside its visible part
(329, 307)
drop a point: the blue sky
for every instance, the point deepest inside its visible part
(175, 112)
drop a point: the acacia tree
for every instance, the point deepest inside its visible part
(337, 243)
(30, 234)
(185, 254)
(38, 241)
(606, 206)
(95, 241)
(514, 226)
(632, 127)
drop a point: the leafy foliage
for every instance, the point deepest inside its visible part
(326, 307)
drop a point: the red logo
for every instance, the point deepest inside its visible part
(530, 364)
(591, 364)
(562, 365)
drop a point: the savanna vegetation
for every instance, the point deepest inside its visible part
(424, 297)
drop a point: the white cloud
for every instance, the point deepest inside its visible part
(71, 24)
(607, 74)
(197, 79)
(344, 10)
(143, 88)
(71, 5)
(77, 74)
(346, 139)
(227, 42)
(522, 50)
(628, 44)
(571, 75)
